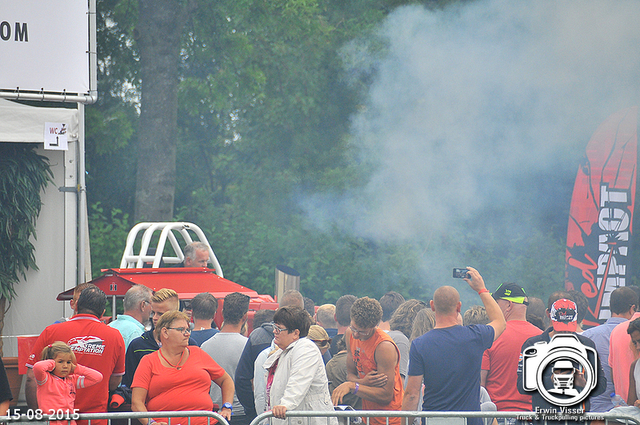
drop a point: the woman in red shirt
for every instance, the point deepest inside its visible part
(177, 377)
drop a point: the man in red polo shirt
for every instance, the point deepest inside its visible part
(500, 362)
(95, 345)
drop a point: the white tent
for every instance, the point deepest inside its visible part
(57, 229)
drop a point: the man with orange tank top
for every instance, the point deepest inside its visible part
(372, 363)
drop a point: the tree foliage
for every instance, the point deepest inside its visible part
(263, 118)
(24, 175)
(108, 236)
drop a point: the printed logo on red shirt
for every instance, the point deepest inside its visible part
(87, 345)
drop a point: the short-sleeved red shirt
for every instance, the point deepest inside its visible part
(170, 389)
(501, 362)
(95, 345)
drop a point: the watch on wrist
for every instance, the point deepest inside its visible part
(227, 406)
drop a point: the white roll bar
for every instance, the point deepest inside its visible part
(168, 231)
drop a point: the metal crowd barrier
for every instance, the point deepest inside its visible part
(354, 417)
(128, 418)
(346, 417)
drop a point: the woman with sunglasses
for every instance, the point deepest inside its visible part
(296, 377)
(177, 377)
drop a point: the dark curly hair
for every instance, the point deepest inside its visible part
(366, 312)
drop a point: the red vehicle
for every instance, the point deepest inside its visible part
(160, 267)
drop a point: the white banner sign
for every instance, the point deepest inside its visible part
(44, 45)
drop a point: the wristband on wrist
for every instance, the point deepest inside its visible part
(482, 291)
(151, 422)
(355, 391)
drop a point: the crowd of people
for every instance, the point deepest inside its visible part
(389, 354)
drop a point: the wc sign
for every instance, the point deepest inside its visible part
(55, 136)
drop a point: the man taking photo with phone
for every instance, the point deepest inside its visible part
(451, 373)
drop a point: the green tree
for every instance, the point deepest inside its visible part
(263, 107)
(24, 175)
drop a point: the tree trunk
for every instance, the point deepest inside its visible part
(158, 33)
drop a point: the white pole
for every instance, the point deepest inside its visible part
(82, 201)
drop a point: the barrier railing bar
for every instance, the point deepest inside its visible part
(125, 415)
(607, 417)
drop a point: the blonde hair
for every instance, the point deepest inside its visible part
(81, 287)
(475, 315)
(167, 319)
(424, 321)
(58, 347)
(326, 315)
(164, 294)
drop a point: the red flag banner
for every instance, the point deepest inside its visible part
(601, 214)
(25, 347)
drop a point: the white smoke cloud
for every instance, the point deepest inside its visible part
(486, 103)
(471, 96)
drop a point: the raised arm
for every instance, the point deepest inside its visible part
(41, 370)
(88, 376)
(496, 318)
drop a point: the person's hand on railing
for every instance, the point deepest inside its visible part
(279, 412)
(225, 412)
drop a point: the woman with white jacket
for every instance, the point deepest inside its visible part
(296, 378)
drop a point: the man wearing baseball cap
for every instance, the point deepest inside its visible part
(564, 316)
(511, 292)
(499, 361)
(563, 313)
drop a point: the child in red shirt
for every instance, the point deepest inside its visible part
(58, 375)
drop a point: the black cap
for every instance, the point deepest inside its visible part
(511, 292)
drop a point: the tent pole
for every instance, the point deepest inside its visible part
(82, 200)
